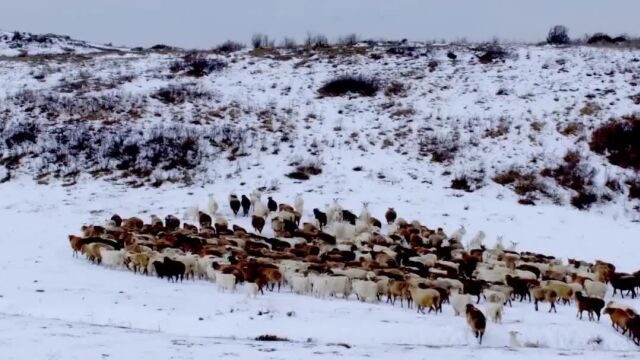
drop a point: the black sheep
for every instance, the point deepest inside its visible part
(272, 205)
(234, 203)
(246, 205)
(349, 217)
(321, 217)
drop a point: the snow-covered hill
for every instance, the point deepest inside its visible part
(155, 131)
(19, 43)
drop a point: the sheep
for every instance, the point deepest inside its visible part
(260, 209)
(246, 205)
(298, 203)
(619, 318)
(425, 298)
(112, 258)
(513, 339)
(300, 284)
(213, 205)
(251, 289)
(365, 290)
(476, 242)
(494, 311)
(540, 294)
(190, 262)
(349, 217)
(272, 205)
(564, 291)
(234, 203)
(334, 212)
(221, 225)
(397, 288)
(459, 303)
(226, 282)
(321, 217)
(138, 262)
(269, 276)
(191, 213)
(365, 215)
(623, 282)
(458, 234)
(255, 197)
(390, 216)
(204, 219)
(589, 304)
(477, 322)
(258, 223)
(595, 288)
(615, 305)
(170, 268)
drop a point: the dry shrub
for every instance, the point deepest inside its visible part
(395, 88)
(346, 84)
(576, 175)
(572, 129)
(619, 141)
(271, 338)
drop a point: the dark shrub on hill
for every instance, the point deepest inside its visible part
(346, 84)
(619, 141)
(558, 35)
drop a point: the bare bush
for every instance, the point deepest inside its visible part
(558, 35)
(355, 84)
(316, 41)
(262, 41)
(348, 40)
(618, 140)
(230, 46)
(288, 43)
(197, 65)
(179, 94)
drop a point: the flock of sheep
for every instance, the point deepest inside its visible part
(338, 253)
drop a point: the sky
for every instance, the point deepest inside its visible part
(206, 23)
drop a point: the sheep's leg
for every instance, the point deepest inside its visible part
(480, 338)
(478, 301)
(535, 303)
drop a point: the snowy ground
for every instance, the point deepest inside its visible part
(73, 309)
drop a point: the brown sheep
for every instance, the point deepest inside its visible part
(588, 304)
(549, 295)
(133, 223)
(477, 322)
(397, 289)
(204, 219)
(619, 318)
(258, 223)
(390, 216)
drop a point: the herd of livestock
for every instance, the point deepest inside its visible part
(339, 253)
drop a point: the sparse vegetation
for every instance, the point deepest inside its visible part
(350, 84)
(197, 65)
(558, 35)
(619, 141)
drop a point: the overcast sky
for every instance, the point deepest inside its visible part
(205, 23)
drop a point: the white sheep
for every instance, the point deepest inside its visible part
(494, 311)
(250, 289)
(425, 298)
(365, 215)
(255, 197)
(495, 296)
(344, 231)
(226, 281)
(260, 209)
(458, 234)
(334, 212)
(300, 284)
(112, 258)
(191, 213)
(513, 339)
(499, 246)
(298, 204)
(476, 242)
(213, 205)
(459, 303)
(190, 262)
(365, 290)
(593, 288)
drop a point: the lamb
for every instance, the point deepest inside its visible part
(226, 281)
(258, 223)
(477, 321)
(426, 298)
(213, 205)
(366, 290)
(246, 205)
(595, 288)
(589, 304)
(234, 203)
(494, 311)
(459, 303)
(390, 216)
(541, 294)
